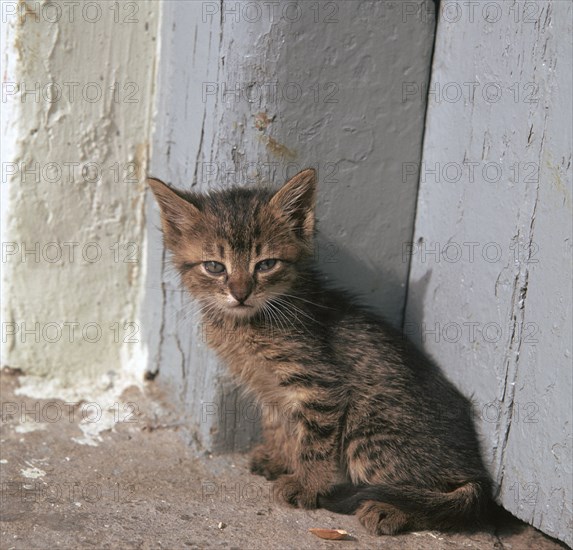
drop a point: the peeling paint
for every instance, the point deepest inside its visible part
(262, 121)
(32, 473)
(30, 426)
(91, 430)
(103, 208)
(278, 149)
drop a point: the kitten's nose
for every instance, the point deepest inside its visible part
(240, 290)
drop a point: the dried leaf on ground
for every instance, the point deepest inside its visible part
(329, 534)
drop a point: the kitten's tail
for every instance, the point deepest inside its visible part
(467, 503)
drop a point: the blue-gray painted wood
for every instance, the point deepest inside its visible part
(490, 288)
(248, 98)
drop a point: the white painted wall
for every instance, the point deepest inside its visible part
(250, 93)
(494, 303)
(77, 86)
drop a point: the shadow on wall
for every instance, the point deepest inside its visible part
(415, 300)
(363, 280)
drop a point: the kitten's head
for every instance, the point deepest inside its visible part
(237, 249)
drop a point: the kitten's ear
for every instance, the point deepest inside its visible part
(296, 199)
(177, 214)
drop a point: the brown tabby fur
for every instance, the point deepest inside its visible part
(364, 422)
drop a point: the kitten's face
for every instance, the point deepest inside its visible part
(238, 249)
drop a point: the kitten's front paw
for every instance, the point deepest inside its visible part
(262, 464)
(289, 489)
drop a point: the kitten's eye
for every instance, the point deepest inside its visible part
(265, 265)
(215, 268)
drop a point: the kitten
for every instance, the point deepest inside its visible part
(367, 424)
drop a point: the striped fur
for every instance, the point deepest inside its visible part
(362, 422)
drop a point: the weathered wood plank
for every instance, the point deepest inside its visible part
(251, 97)
(490, 285)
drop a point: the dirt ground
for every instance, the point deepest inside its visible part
(141, 485)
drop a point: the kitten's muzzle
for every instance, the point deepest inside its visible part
(240, 290)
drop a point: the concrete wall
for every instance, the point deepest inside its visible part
(77, 87)
(251, 93)
(490, 285)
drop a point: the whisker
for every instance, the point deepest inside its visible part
(304, 300)
(273, 310)
(292, 308)
(292, 312)
(268, 317)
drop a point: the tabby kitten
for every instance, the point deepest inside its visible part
(368, 425)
